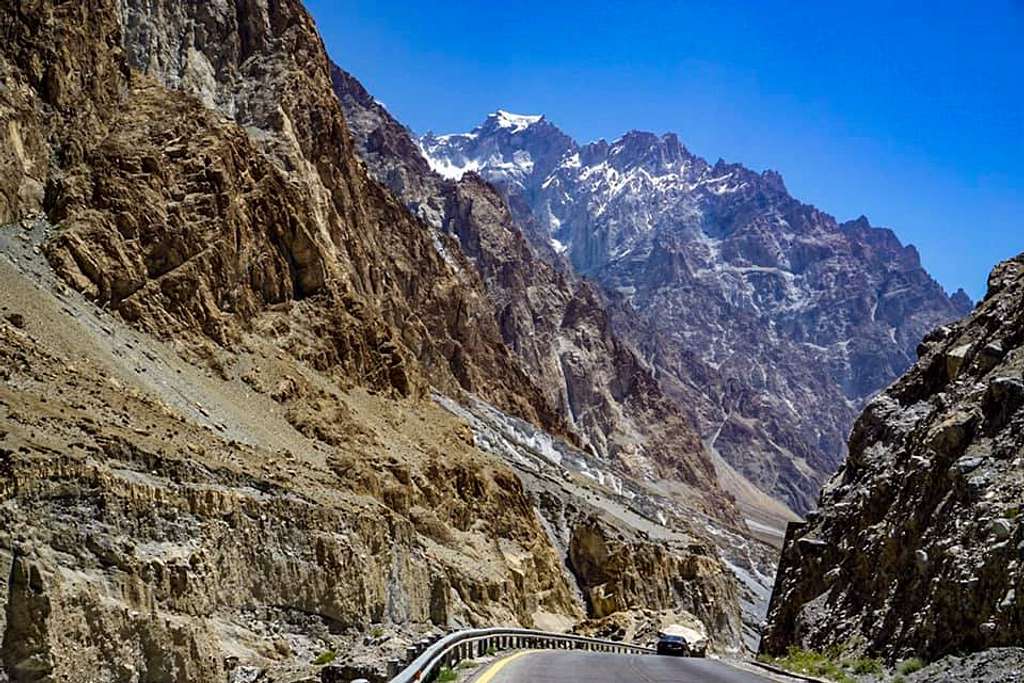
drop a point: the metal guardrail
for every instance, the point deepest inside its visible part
(428, 658)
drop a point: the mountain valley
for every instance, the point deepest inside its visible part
(287, 388)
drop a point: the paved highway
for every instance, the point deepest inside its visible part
(591, 667)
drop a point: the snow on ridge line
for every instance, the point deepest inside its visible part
(445, 168)
(516, 122)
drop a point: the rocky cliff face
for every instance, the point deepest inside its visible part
(165, 523)
(219, 453)
(766, 316)
(187, 218)
(606, 566)
(556, 323)
(918, 548)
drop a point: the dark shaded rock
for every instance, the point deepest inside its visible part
(16, 319)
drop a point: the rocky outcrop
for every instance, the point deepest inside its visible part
(772, 322)
(618, 574)
(997, 665)
(918, 549)
(556, 323)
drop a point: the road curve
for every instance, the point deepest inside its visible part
(550, 666)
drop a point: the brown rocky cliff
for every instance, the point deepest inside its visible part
(917, 548)
(617, 573)
(254, 489)
(185, 221)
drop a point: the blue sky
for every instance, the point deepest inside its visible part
(911, 114)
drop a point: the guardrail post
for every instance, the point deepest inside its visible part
(394, 666)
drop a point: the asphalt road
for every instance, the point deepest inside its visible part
(592, 667)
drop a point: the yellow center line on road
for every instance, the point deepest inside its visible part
(499, 665)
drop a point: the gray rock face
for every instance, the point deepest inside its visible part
(770, 319)
(998, 665)
(917, 549)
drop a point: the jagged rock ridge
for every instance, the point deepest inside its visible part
(769, 318)
(918, 546)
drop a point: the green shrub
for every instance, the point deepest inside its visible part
(325, 658)
(909, 666)
(446, 675)
(864, 665)
(491, 651)
(376, 631)
(810, 663)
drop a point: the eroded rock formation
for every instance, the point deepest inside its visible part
(190, 219)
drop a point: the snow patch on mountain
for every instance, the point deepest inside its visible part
(516, 122)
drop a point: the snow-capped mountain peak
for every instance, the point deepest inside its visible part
(516, 123)
(509, 150)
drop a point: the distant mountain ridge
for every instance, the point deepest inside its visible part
(770, 319)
